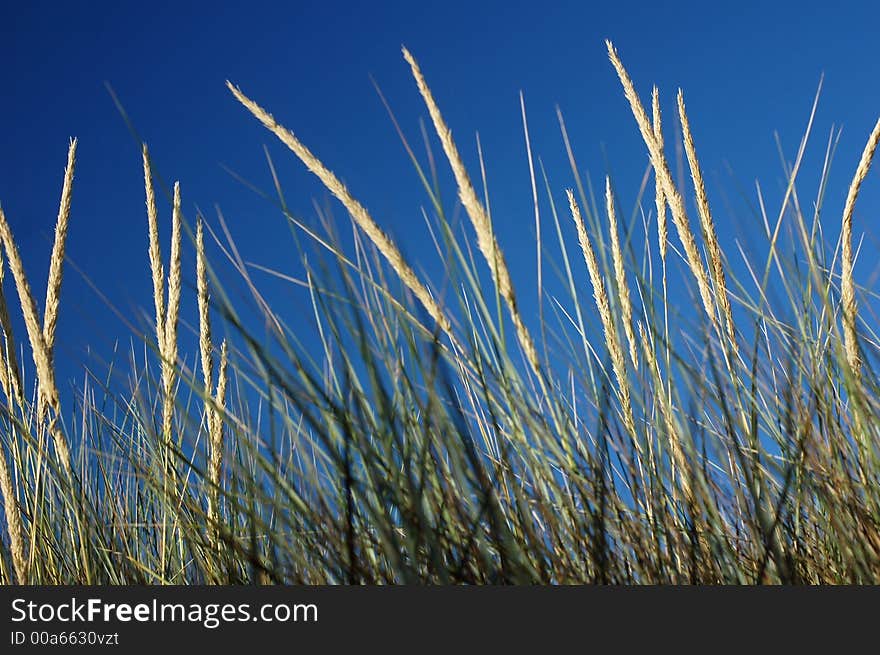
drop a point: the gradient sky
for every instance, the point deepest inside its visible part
(747, 69)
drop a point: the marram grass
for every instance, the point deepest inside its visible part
(420, 439)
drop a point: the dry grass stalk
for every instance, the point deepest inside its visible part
(45, 372)
(205, 345)
(6, 375)
(486, 241)
(620, 274)
(659, 197)
(213, 405)
(172, 312)
(358, 212)
(847, 285)
(671, 193)
(711, 236)
(9, 375)
(220, 400)
(156, 266)
(13, 522)
(53, 290)
(618, 361)
(215, 427)
(167, 316)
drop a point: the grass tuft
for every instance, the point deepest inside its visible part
(639, 439)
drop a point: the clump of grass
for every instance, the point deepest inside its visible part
(633, 443)
(40, 347)
(41, 335)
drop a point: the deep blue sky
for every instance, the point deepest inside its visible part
(747, 69)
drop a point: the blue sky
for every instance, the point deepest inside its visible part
(747, 70)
